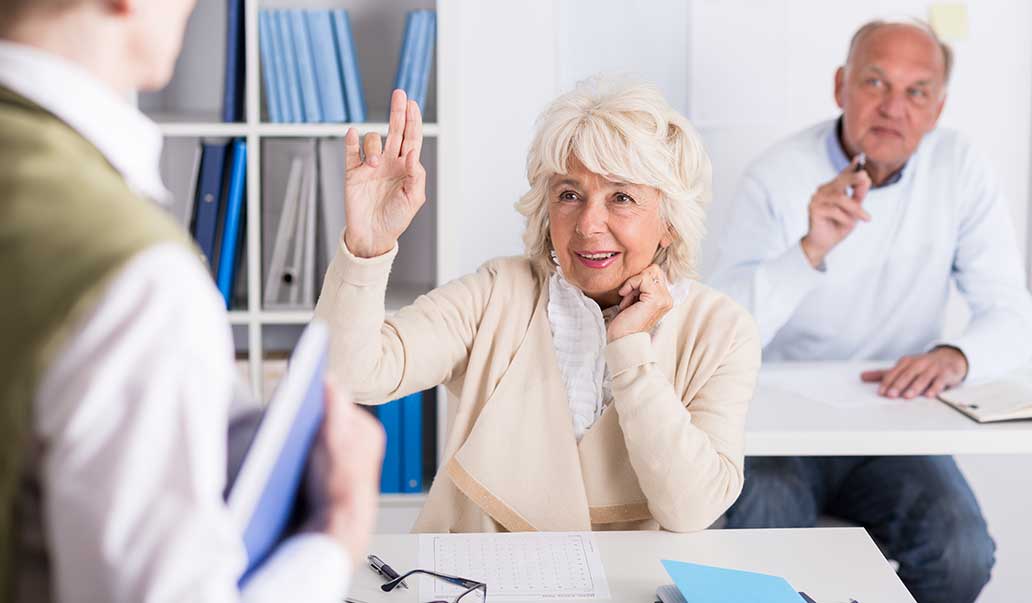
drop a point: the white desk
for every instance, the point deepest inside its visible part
(781, 423)
(829, 564)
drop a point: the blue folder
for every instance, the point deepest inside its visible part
(208, 198)
(233, 81)
(403, 77)
(230, 243)
(350, 73)
(267, 46)
(310, 103)
(424, 59)
(390, 476)
(291, 79)
(263, 495)
(327, 70)
(412, 443)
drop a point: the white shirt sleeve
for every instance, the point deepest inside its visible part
(760, 266)
(132, 416)
(988, 271)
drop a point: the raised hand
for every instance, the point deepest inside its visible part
(383, 193)
(645, 299)
(834, 212)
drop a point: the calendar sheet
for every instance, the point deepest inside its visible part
(516, 567)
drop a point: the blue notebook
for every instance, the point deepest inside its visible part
(262, 496)
(230, 244)
(708, 584)
(208, 198)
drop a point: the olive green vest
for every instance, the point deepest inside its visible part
(68, 222)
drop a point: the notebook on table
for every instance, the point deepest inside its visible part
(264, 495)
(1005, 400)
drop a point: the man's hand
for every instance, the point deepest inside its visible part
(833, 213)
(343, 481)
(928, 374)
(645, 300)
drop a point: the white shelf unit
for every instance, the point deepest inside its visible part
(190, 107)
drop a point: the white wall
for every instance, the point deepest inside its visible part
(772, 62)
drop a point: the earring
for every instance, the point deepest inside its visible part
(554, 256)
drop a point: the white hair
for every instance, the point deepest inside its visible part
(627, 131)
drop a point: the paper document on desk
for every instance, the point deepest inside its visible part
(834, 383)
(516, 567)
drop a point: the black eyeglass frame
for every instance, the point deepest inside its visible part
(469, 585)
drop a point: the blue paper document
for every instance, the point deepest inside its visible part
(708, 584)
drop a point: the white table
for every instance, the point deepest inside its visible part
(786, 423)
(829, 564)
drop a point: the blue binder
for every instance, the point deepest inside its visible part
(208, 198)
(390, 477)
(230, 243)
(350, 73)
(233, 82)
(305, 67)
(327, 70)
(424, 59)
(412, 443)
(403, 76)
(291, 81)
(270, 78)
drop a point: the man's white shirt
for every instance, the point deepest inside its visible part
(883, 290)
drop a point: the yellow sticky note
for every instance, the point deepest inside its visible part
(949, 20)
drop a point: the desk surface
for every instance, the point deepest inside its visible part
(783, 423)
(829, 564)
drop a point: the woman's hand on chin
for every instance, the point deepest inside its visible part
(645, 299)
(383, 193)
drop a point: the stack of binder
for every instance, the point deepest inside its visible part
(309, 67)
(207, 182)
(302, 218)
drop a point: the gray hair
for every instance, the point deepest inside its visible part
(869, 27)
(624, 130)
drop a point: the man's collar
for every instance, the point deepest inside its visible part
(126, 137)
(839, 160)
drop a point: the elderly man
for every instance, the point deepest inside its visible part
(844, 241)
(116, 362)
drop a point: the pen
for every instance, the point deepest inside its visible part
(384, 570)
(861, 162)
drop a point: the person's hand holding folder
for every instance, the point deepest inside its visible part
(343, 479)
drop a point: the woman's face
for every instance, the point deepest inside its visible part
(604, 232)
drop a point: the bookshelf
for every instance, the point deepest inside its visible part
(190, 108)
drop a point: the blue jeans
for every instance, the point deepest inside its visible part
(919, 508)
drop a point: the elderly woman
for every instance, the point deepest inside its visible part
(594, 384)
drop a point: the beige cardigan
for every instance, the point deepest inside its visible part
(667, 453)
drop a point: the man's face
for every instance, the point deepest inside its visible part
(891, 93)
(156, 38)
